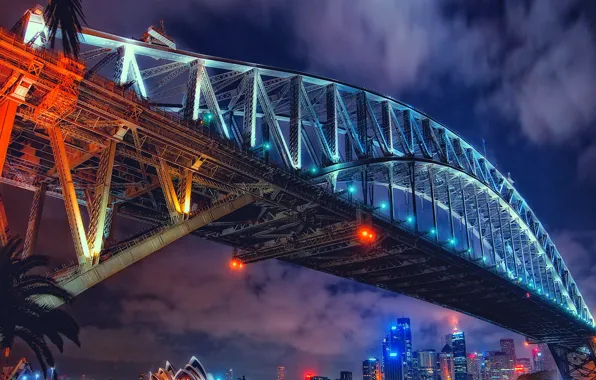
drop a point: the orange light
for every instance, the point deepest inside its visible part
(526, 344)
(240, 265)
(366, 234)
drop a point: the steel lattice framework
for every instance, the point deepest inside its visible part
(276, 164)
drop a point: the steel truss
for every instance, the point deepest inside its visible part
(243, 129)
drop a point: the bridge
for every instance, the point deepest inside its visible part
(275, 164)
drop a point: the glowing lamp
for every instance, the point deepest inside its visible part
(314, 170)
(236, 264)
(267, 146)
(410, 219)
(351, 189)
(393, 354)
(433, 231)
(366, 234)
(383, 205)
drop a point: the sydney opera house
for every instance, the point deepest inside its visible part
(194, 370)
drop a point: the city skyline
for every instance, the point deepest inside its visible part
(275, 314)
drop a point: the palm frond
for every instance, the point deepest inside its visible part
(66, 15)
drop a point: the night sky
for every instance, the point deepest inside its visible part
(519, 74)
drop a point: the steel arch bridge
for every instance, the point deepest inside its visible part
(276, 164)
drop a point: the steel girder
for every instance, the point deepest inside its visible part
(479, 202)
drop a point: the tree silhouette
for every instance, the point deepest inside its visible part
(21, 316)
(66, 15)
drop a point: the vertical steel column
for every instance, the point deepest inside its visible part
(452, 228)
(513, 248)
(361, 118)
(532, 263)
(387, 127)
(465, 210)
(521, 245)
(8, 111)
(34, 220)
(409, 129)
(265, 138)
(185, 190)
(110, 227)
(193, 91)
(169, 191)
(431, 180)
(249, 130)
(390, 195)
(492, 232)
(479, 216)
(70, 196)
(296, 122)
(101, 198)
(331, 129)
(502, 236)
(347, 147)
(364, 183)
(4, 231)
(412, 168)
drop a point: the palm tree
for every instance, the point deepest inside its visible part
(66, 15)
(21, 316)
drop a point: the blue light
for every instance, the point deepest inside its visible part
(410, 219)
(469, 250)
(351, 189)
(484, 259)
(314, 170)
(393, 354)
(25, 377)
(267, 146)
(393, 327)
(383, 205)
(452, 241)
(372, 359)
(37, 375)
(432, 231)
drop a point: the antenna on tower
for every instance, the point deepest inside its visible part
(484, 147)
(162, 26)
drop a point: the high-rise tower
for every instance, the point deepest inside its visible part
(397, 352)
(460, 364)
(281, 373)
(371, 369)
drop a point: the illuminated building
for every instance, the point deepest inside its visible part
(446, 363)
(194, 370)
(548, 362)
(536, 360)
(460, 364)
(523, 366)
(508, 347)
(230, 374)
(281, 373)
(397, 352)
(497, 363)
(427, 365)
(476, 366)
(371, 369)
(319, 378)
(345, 375)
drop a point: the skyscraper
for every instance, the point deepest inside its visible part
(403, 325)
(281, 373)
(427, 365)
(522, 366)
(397, 352)
(496, 365)
(446, 363)
(345, 375)
(371, 369)
(230, 374)
(508, 347)
(460, 364)
(548, 362)
(476, 365)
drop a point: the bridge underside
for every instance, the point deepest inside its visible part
(448, 227)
